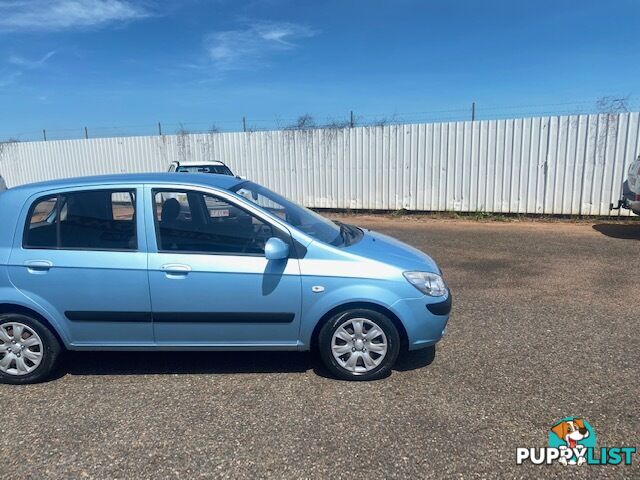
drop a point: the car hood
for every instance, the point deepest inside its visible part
(382, 248)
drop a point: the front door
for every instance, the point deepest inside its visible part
(211, 284)
(82, 257)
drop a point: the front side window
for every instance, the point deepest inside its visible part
(87, 220)
(196, 222)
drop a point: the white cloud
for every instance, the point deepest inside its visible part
(28, 63)
(7, 79)
(21, 65)
(253, 45)
(23, 15)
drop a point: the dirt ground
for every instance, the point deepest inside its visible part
(545, 325)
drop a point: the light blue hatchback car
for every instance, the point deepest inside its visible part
(203, 262)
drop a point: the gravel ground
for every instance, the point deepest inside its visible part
(545, 325)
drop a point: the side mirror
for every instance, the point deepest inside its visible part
(276, 249)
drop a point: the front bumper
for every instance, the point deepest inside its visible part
(424, 319)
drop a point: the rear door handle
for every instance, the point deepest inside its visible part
(38, 266)
(176, 270)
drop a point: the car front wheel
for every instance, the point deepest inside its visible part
(28, 350)
(359, 344)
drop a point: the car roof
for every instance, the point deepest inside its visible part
(196, 164)
(225, 182)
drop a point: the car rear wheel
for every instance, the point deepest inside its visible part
(359, 344)
(28, 350)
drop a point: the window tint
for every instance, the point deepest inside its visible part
(198, 222)
(42, 209)
(123, 206)
(91, 220)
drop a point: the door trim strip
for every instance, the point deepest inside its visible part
(180, 317)
(223, 317)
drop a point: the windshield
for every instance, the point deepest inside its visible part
(302, 218)
(219, 169)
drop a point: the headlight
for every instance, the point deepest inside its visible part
(428, 283)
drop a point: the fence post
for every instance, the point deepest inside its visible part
(244, 124)
(44, 134)
(159, 129)
(86, 133)
(351, 122)
(473, 111)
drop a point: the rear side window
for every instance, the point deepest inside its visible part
(123, 206)
(87, 220)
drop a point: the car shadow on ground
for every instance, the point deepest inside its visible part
(171, 363)
(623, 231)
(416, 359)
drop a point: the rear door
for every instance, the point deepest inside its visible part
(82, 256)
(211, 284)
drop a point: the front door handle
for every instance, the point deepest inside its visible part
(38, 266)
(176, 270)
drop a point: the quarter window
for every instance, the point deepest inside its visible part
(87, 220)
(189, 221)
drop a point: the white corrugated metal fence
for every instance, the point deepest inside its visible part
(551, 165)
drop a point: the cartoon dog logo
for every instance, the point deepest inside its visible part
(572, 432)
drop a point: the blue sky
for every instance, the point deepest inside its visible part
(65, 64)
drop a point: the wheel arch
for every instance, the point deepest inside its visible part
(404, 338)
(7, 308)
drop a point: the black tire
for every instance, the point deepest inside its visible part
(50, 349)
(330, 327)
